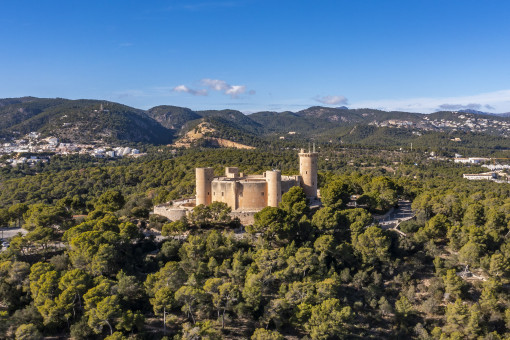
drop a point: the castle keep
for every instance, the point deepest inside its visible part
(245, 194)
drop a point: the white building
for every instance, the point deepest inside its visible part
(52, 140)
(471, 160)
(487, 176)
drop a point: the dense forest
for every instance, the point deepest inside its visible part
(90, 266)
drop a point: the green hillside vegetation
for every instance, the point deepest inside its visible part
(82, 121)
(284, 122)
(16, 110)
(317, 119)
(228, 130)
(350, 127)
(235, 117)
(172, 117)
(327, 273)
(177, 118)
(380, 115)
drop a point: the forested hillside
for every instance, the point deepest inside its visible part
(90, 269)
(83, 121)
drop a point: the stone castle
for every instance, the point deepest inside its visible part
(245, 194)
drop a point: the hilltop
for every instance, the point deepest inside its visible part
(82, 121)
(203, 134)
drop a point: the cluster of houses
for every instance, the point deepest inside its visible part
(33, 144)
(398, 123)
(462, 122)
(115, 152)
(467, 122)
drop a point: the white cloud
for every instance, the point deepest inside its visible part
(234, 91)
(215, 84)
(498, 101)
(471, 106)
(331, 100)
(184, 88)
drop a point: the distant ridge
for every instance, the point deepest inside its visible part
(88, 121)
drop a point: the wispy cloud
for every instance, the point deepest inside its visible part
(497, 101)
(126, 44)
(234, 91)
(215, 84)
(331, 100)
(472, 106)
(208, 84)
(184, 88)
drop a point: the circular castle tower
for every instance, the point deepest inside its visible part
(308, 172)
(274, 187)
(204, 177)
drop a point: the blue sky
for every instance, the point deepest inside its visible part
(413, 55)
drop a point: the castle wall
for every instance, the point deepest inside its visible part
(226, 192)
(178, 210)
(231, 172)
(252, 194)
(288, 183)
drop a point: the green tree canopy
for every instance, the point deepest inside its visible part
(336, 194)
(373, 245)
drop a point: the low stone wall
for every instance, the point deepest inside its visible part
(177, 209)
(172, 213)
(176, 213)
(246, 217)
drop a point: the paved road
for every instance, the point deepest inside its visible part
(398, 215)
(10, 232)
(6, 233)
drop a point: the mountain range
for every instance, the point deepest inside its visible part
(88, 121)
